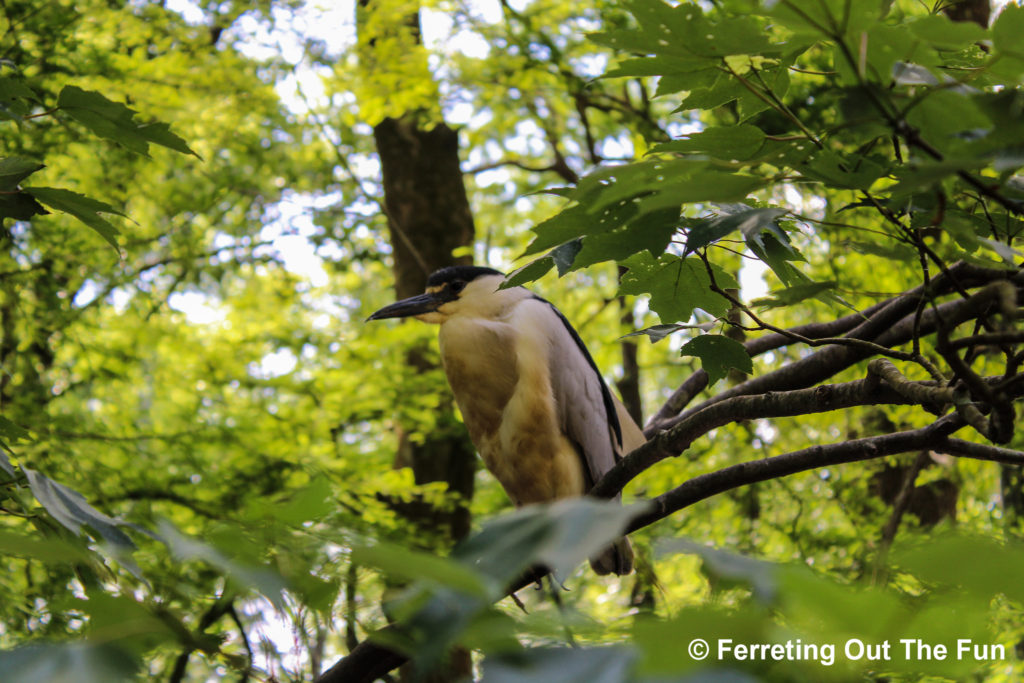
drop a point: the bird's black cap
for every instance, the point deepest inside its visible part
(464, 273)
(443, 288)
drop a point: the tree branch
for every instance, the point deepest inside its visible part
(692, 426)
(934, 437)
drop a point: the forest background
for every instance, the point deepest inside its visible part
(212, 469)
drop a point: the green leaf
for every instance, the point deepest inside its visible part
(926, 175)
(114, 121)
(723, 90)
(628, 195)
(412, 565)
(870, 613)
(677, 286)
(751, 222)
(14, 204)
(776, 79)
(946, 115)
(895, 251)
(658, 332)
(980, 566)
(777, 253)
(944, 33)
(15, 98)
(268, 582)
(653, 185)
(5, 462)
(683, 32)
(15, 88)
(564, 255)
(717, 355)
(314, 591)
(573, 222)
(11, 431)
(1010, 255)
(41, 548)
(839, 171)
(564, 665)
(726, 142)
(136, 627)
(650, 231)
(70, 508)
(1007, 30)
(20, 206)
(795, 294)
(65, 662)
(160, 133)
(760, 576)
(15, 169)
(817, 18)
(662, 643)
(558, 535)
(311, 502)
(904, 73)
(81, 207)
(533, 270)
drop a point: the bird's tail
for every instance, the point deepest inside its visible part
(615, 559)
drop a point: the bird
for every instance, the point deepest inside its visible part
(535, 404)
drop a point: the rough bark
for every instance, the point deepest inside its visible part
(428, 218)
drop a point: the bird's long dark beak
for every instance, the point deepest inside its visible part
(414, 305)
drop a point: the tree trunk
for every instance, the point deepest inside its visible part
(428, 218)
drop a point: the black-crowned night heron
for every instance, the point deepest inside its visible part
(536, 407)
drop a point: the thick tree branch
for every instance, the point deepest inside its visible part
(678, 438)
(933, 437)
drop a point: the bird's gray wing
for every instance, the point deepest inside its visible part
(586, 409)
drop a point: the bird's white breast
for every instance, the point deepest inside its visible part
(499, 371)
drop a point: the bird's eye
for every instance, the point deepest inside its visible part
(457, 286)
